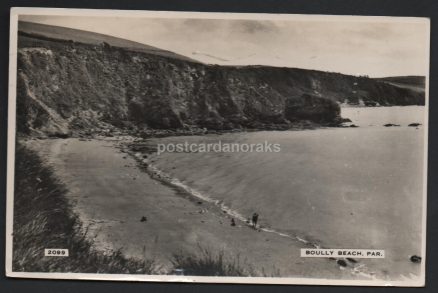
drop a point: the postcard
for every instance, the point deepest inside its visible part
(217, 147)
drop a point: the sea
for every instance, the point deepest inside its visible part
(347, 188)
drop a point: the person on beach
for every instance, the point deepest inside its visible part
(255, 218)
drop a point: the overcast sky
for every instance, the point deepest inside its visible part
(351, 47)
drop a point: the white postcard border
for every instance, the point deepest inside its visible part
(16, 11)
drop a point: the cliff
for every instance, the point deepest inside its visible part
(67, 85)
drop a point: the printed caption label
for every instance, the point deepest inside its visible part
(55, 252)
(353, 253)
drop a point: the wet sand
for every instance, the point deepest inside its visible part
(111, 194)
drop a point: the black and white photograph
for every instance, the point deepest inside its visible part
(217, 147)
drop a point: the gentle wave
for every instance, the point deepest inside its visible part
(359, 269)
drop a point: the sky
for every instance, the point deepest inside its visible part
(373, 47)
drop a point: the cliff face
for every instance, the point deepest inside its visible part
(66, 86)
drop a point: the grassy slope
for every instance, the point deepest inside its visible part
(91, 38)
(414, 83)
(419, 81)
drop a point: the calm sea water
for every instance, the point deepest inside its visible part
(337, 187)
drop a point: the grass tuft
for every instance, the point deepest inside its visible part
(210, 264)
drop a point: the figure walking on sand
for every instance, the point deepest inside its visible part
(255, 218)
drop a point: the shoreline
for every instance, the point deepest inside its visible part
(120, 228)
(140, 131)
(184, 190)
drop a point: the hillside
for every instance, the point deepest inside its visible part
(51, 32)
(71, 82)
(416, 83)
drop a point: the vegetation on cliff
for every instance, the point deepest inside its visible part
(67, 86)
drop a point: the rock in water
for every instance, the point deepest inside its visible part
(352, 260)
(143, 219)
(416, 259)
(341, 262)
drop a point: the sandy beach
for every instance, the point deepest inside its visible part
(111, 194)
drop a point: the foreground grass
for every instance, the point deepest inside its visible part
(43, 219)
(209, 264)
